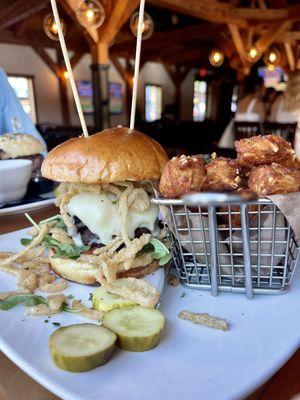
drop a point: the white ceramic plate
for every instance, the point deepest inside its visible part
(191, 360)
(22, 208)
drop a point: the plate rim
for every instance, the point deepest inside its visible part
(26, 207)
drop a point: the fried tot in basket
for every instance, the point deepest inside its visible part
(271, 179)
(259, 150)
(182, 175)
(222, 175)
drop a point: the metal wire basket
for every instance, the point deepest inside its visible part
(229, 244)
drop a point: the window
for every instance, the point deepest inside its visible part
(200, 97)
(234, 99)
(23, 87)
(153, 97)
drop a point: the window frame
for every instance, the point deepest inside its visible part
(156, 85)
(32, 77)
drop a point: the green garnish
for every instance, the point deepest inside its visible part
(29, 300)
(70, 296)
(90, 296)
(114, 202)
(56, 323)
(158, 251)
(25, 241)
(32, 221)
(183, 294)
(63, 249)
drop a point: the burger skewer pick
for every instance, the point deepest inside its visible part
(69, 68)
(137, 63)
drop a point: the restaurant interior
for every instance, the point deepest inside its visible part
(199, 60)
(194, 61)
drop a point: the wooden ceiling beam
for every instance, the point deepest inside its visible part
(212, 10)
(262, 4)
(120, 13)
(239, 45)
(279, 3)
(161, 39)
(271, 35)
(176, 73)
(70, 7)
(225, 13)
(291, 36)
(77, 56)
(47, 59)
(183, 57)
(290, 56)
(20, 10)
(121, 70)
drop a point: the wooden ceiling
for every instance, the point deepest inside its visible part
(182, 41)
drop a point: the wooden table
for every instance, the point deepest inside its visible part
(16, 385)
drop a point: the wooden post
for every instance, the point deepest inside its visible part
(63, 92)
(100, 67)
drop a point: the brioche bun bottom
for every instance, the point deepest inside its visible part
(85, 273)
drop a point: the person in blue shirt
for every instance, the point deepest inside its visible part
(13, 118)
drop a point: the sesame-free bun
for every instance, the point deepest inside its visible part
(86, 273)
(16, 145)
(113, 155)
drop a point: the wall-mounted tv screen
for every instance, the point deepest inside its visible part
(275, 78)
(85, 91)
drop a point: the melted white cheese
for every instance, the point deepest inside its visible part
(99, 212)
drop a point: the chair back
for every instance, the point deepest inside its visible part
(286, 131)
(246, 129)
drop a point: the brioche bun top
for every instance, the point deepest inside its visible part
(113, 155)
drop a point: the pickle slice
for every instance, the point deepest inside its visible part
(82, 347)
(138, 328)
(105, 301)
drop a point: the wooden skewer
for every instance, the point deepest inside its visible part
(137, 63)
(69, 68)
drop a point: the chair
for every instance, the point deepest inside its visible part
(245, 129)
(286, 131)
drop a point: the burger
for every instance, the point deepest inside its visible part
(107, 228)
(21, 145)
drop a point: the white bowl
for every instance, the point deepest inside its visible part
(14, 178)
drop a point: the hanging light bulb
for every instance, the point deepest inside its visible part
(66, 74)
(216, 57)
(147, 27)
(90, 13)
(272, 57)
(51, 28)
(252, 54)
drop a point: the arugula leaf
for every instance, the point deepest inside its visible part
(35, 301)
(63, 249)
(25, 241)
(28, 300)
(158, 251)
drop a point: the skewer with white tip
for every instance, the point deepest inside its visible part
(69, 68)
(137, 63)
